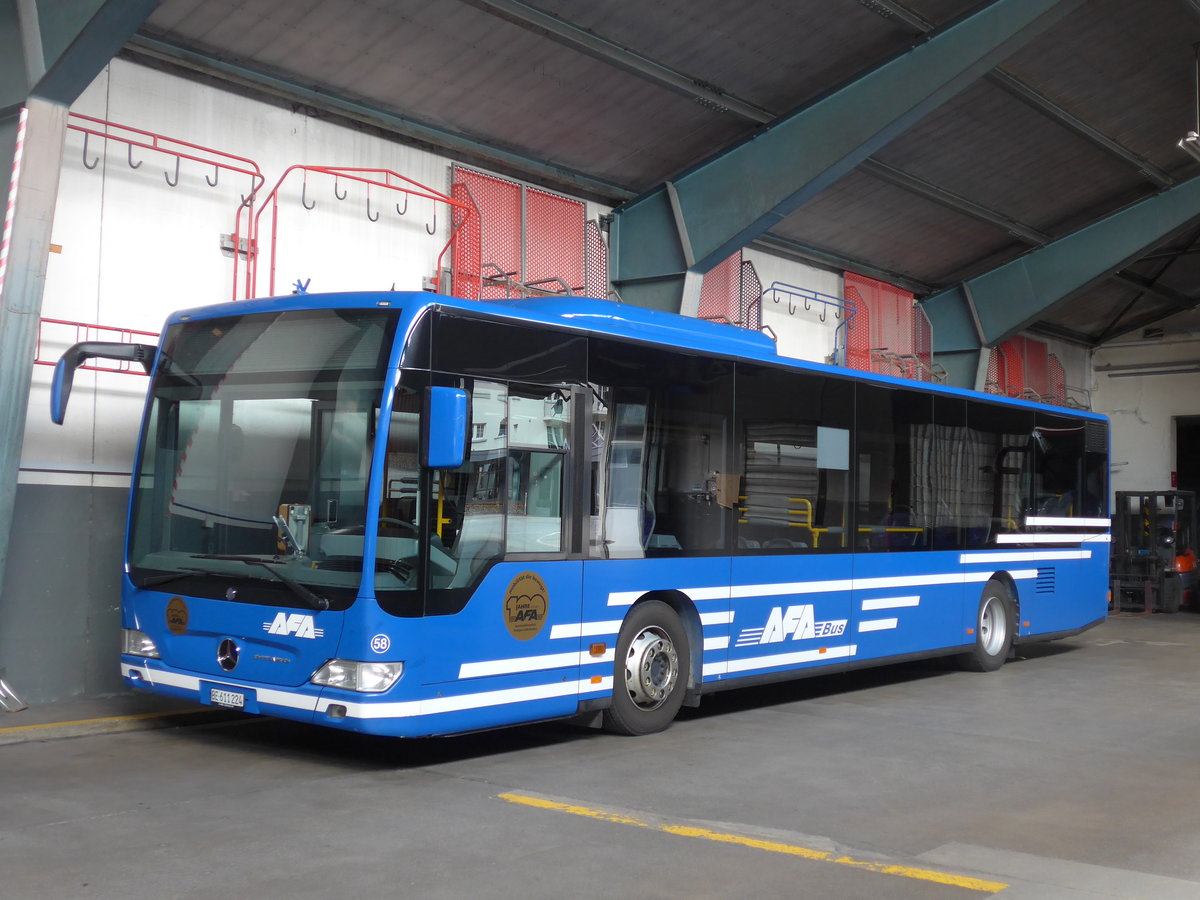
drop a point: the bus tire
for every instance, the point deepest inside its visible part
(650, 671)
(993, 630)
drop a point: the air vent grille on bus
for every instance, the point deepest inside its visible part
(1045, 581)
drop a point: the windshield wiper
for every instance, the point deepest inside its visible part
(156, 580)
(316, 601)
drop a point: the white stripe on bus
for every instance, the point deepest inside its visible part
(408, 709)
(1026, 556)
(531, 663)
(779, 659)
(1067, 522)
(889, 603)
(401, 709)
(289, 699)
(626, 598)
(1049, 537)
(586, 629)
(878, 625)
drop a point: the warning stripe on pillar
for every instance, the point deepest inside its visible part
(11, 207)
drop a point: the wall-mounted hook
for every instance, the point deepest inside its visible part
(791, 307)
(132, 164)
(94, 162)
(432, 229)
(216, 176)
(342, 195)
(168, 177)
(824, 312)
(373, 218)
(808, 304)
(304, 195)
(247, 200)
(403, 211)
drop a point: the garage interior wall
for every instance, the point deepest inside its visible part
(128, 250)
(1143, 406)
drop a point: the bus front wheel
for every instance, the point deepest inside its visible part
(993, 630)
(651, 670)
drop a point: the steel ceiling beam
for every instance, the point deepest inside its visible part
(951, 200)
(715, 98)
(457, 145)
(985, 310)
(80, 38)
(576, 38)
(1016, 87)
(1177, 298)
(664, 240)
(1137, 324)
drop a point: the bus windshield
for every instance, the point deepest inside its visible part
(255, 462)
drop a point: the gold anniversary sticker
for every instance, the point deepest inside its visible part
(526, 603)
(177, 615)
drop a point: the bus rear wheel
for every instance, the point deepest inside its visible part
(651, 670)
(993, 630)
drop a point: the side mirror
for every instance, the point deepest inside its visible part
(446, 423)
(76, 356)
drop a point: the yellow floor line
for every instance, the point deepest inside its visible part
(962, 881)
(76, 722)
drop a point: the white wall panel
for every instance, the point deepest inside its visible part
(1142, 410)
(800, 333)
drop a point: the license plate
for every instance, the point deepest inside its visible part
(232, 699)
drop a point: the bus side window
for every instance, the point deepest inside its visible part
(795, 461)
(667, 445)
(895, 493)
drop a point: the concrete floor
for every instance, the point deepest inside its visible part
(1070, 773)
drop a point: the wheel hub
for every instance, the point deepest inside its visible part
(992, 626)
(651, 668)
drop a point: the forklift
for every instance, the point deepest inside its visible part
(1153, 551)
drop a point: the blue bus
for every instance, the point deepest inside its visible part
(409, 514)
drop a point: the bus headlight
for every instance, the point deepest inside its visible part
(352, 675)
(138, 643)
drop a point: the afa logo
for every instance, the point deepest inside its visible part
(526, 603)
(300, 625)
(796, 622)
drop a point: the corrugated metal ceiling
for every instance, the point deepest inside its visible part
(473, 68)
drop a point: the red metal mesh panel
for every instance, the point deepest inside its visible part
(858, 331)
(1037, 373)
(1013, 383)
(891, 331)
(720, 291)
(595, 262)
(1056, 381)
(554, 243)
(464, 265)
(499, 203)
(750, 297)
